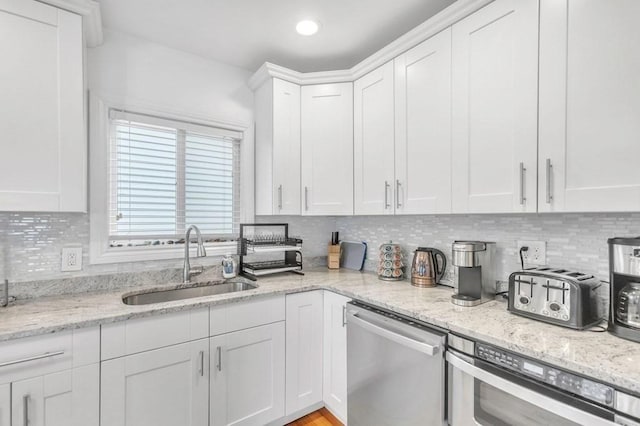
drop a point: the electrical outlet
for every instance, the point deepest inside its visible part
(536, 255)
(71, 259)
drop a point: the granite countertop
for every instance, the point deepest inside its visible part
(598, 355)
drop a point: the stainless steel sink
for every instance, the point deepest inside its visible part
(169, 295)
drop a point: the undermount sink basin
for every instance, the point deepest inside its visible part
(169, 295)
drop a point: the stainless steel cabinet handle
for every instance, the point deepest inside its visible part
(280, 197)
(408, 342)
(306, 198)
(344, 315)
(523, 170)
(386, 195)
(201, 368)
(32, 358)
(549, 194)
(219, 355)
(25, 408)
(398, 203)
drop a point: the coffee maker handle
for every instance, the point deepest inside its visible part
(440, 269)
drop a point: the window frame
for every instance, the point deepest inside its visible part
(100, 251)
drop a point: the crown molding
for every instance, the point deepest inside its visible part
(269, 70)
(90, 12)
(447, 17)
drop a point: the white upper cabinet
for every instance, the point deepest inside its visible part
(423, 127)
(494, 105)
(327, 149)
(589, 106)
(43, 150)
(278, 148)
(373, 143)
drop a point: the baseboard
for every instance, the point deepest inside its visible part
(295, 416)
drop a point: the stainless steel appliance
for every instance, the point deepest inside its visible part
(395, 369)
(426, 270)
(474, 272)
(492, 386)
(624, 287)
(555, 295)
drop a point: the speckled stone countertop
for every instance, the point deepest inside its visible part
(598, 355)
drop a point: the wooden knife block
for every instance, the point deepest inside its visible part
(333, 256)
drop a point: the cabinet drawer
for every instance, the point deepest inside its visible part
(35, 356)
(238, 316)
(143, 334)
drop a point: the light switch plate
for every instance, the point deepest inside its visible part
(71, 259)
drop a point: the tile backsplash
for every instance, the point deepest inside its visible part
(30, 243)
(572, 240)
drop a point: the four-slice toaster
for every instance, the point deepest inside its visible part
(554, 295)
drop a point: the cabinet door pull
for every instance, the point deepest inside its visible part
(549, 168)
(280, 197)
(523, 170)
(31, 358)
(386, 195)
(219, 356)
(398, 203)
(344, 315)
(306, 198)
(25, 408)
(201, 367)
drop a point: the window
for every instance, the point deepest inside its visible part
(165, 175)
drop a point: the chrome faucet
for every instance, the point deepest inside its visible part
(187, 271)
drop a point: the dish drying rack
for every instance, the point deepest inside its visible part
(266, 239)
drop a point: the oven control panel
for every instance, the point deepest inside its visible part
(588, 389)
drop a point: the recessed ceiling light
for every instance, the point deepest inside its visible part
(307, 27)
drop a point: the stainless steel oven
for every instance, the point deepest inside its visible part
(492, 387)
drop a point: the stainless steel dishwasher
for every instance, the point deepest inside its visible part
(395, 369)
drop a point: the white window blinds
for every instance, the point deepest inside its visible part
(167, 175)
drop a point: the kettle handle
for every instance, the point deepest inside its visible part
(440, 270)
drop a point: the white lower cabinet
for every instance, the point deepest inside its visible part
(65, 398)
(248, 376)
(5, 404)
(335, 355)
(303, 354)
(162, 387)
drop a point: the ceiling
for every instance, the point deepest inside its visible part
(246, 33)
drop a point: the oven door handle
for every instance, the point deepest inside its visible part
(425, 348)
(528, 395)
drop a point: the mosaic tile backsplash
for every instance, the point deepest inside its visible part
(30, 244)
(572, 240)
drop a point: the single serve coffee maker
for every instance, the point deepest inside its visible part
(474, 272)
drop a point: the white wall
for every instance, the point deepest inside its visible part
(131, 69)
(134, 69)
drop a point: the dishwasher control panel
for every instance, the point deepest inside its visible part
(588, 389)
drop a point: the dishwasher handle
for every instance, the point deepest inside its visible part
(425, 348)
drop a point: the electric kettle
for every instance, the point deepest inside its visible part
(426, 270)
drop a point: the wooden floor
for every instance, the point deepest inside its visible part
(322, 417)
